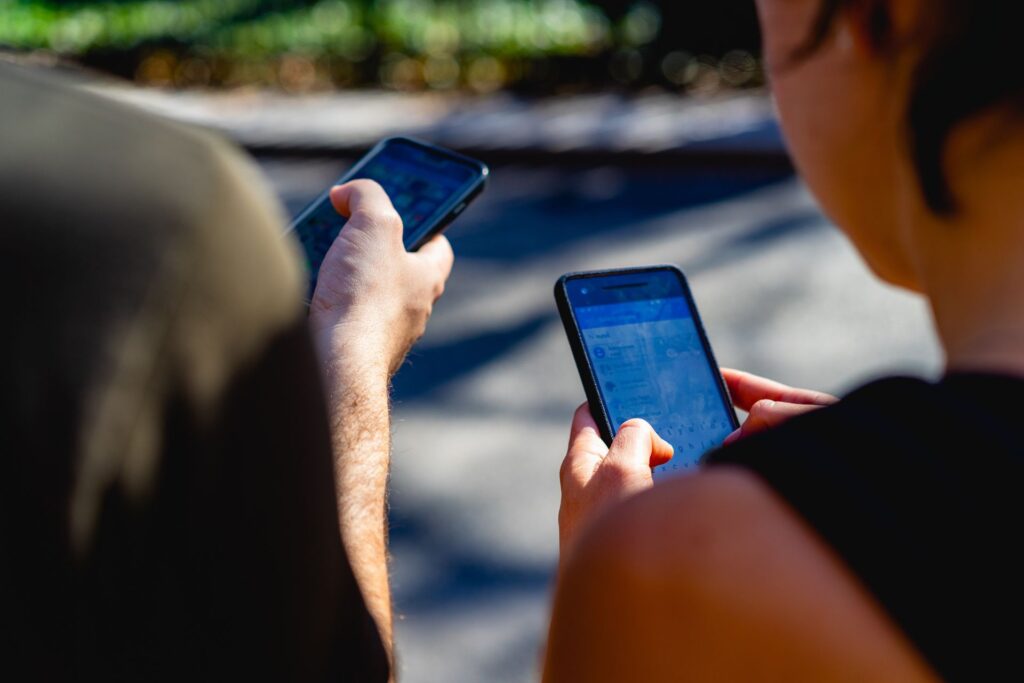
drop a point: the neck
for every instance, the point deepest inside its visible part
(987, 340)
(971, 267)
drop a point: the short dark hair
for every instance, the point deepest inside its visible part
(968, 65)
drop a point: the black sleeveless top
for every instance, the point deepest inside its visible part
(920, 489)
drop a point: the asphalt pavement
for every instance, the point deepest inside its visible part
(483, 405)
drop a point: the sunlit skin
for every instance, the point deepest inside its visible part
(713, 577)
(371, 303)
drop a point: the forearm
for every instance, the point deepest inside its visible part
(357, 395)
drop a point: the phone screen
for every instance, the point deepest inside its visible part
(649, 358)
(423, 183)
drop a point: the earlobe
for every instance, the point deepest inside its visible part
(844, 39)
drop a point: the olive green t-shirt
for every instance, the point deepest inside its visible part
(167, 505)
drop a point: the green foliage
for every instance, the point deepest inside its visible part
(76, 28)
(302, 45)
(349, 28)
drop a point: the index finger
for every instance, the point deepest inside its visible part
(747, 389)
(362, 195)
(584, 428)
(586, 447)
(438, 254)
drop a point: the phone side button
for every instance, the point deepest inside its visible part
(458, 209)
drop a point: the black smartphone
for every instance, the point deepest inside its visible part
(428, 185)
(641, 352)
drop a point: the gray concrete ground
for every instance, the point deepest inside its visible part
(484, 403)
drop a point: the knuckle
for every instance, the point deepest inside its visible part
(616, 471)
(392, 221)
(380, 219)
(565, 469)
(363, 217)
(761, 408)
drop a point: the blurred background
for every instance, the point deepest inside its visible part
(619, 133)
(479, 45)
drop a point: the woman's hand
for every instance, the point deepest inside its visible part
(373, 298)
(593, 476)
(769, 403)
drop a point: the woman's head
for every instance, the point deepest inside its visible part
(873, 95)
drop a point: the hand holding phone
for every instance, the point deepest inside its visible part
(429, 187)
(595, 475)
(374, 298)
(641, 352)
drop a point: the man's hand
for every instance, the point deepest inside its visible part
(373, 298)
(593, 476)
(371, 303)
(769, 403)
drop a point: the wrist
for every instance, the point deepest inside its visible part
(346, 350)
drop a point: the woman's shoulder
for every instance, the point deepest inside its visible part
(914, 485)
(864, 541)
(713, 576)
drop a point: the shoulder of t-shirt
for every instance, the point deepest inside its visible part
(110, 175)
(103, 175)
(195, 280)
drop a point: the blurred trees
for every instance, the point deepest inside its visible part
(480, 45)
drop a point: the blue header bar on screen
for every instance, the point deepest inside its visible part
(632, 313)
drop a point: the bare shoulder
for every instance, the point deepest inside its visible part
(713, 577)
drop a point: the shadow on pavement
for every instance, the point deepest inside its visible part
(560, 210)
(463, 576)
(526, 213)
(430, 368)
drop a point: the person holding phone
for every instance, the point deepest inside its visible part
(868, 538)
(180, 498)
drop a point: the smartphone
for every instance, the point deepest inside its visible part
(641, 352)
(428, 185)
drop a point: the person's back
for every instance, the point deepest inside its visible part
(167, 503)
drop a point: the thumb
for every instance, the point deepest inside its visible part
(638, 447)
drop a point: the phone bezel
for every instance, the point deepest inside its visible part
(447, 211)
(583, 365)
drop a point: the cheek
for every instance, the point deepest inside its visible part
(803, 90)
(842, 125)
(840, 144)
(817, 131)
